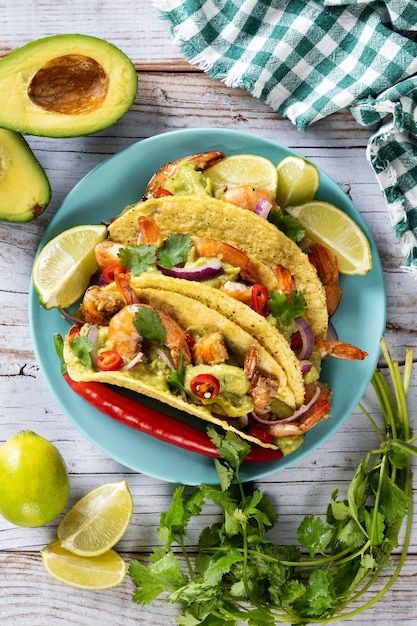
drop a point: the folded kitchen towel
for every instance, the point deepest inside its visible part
(308, 59)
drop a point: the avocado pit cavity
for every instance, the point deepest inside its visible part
(69, 85)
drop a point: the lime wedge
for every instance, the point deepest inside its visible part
(243, 169)
(298, 181)
(62, 269)
(325, 223)
(97, 572)
(97, 521)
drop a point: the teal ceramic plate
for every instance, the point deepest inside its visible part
(121, 180)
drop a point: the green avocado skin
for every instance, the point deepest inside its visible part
(26, 73)
(25, 191)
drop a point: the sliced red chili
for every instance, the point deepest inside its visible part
(74, 332)
(205, 386)
(110, 361)
(260, 297)
(162, 192)
(108, 272)
(190, 340)
(296, 341)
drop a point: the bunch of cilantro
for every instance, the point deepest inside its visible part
(239, 576)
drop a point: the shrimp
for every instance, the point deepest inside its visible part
(149, 231)
(123, 335)
(340, 350)
(210, 350)
(99, 306)
(307, 420)
(126, 340)
(285, 280)
(238, 291)
(211, 248)
(262, 388)
(328, 271)
(248, 196)
(202, 160)
(107, 253)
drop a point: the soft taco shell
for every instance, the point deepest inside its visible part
(208, 217)
(190, 314)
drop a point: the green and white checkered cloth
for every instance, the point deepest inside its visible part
(308, 59)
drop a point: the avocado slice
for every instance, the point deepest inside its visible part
(65, 86)
(24, 187)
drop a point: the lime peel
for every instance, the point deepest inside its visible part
(99, 572)
(62, 269)
(327, 224)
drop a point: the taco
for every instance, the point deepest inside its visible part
(181, 352)
(206, 217)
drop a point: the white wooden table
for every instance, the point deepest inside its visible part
(171, 95)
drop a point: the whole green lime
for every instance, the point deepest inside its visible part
(34, 483)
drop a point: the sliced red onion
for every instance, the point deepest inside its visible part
(298, 413)
(137, 359)
(306, 366)
(160, 352)
(97, 279)
(139, 239)
(307, 338)
(211, 269)
(263, 207)
(70, 318)
(92, 337)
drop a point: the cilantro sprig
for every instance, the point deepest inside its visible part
(142, 257)
(240, 576)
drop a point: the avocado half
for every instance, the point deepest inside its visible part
(24, 187)
(65, 86)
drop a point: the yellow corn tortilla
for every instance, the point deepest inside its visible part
(239, 313)
(191, 315)
(208, 217)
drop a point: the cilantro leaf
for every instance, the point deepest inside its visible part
(81, 347)
(393, 501)
(163, 575)
(287, 224)
(175, 249)
(286, 309)
(314, 535)
(138, 258)
(149, 325)
(220, 564)
(320, 592)
(176, 377)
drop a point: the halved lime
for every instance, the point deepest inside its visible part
(97, 572)
(298, 181)
(97, 521)
(329, 225)
(244, 169)
(62, 269)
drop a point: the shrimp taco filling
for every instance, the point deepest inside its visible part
(203, 302)
(198, 361)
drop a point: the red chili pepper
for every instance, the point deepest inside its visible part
(260, 297)
(190, 340)
(259, 433)
(110, 361)
(74, 332)
(156, 424)
(162, 192)
(108, 272)
(205, 386)
(296, 341)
